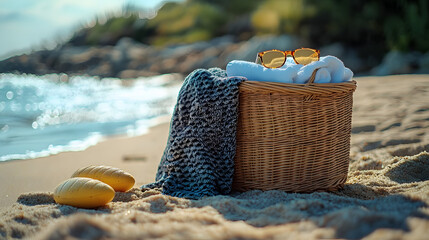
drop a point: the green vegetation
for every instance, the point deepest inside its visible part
(107, 32)
(409, 28)
(276, 16)
(184, 23)
(373, 27)
(113, 29)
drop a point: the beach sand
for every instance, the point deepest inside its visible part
(386, 195)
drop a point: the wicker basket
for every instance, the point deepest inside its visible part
(293, 137)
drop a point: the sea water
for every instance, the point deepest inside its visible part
(43, 115)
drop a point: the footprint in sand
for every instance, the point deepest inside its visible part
(388, 126)
(409, 150)
(363, 128)
(410, 169)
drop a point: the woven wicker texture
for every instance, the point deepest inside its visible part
(293, 137)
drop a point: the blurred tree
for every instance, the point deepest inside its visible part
(280, 16)
(184, 23)
(105, 32)
(409, 28)
(354, 23)
(372, 26)
(232, 7)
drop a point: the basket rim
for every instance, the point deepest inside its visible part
(311, 88)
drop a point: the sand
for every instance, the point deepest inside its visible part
(386, 195)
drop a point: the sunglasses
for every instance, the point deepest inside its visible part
(276, 58)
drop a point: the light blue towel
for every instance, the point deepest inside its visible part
(331, 70)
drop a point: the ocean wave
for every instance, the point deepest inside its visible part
(42, 115)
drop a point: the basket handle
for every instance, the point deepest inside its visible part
(313, 77)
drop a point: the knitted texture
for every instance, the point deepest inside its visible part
(199, 157)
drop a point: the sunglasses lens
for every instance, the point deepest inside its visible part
(306, 56)
(273, 59)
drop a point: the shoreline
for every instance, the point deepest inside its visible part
(58, 149)
(138, 155)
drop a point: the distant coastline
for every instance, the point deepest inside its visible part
(129, 59)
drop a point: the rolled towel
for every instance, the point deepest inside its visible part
(332, 64)
(257, 72)
(322, 76)
(348, 75)
(331, 69)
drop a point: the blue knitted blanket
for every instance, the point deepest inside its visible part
(199, 157)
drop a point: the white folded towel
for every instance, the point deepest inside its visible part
(331, 70)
